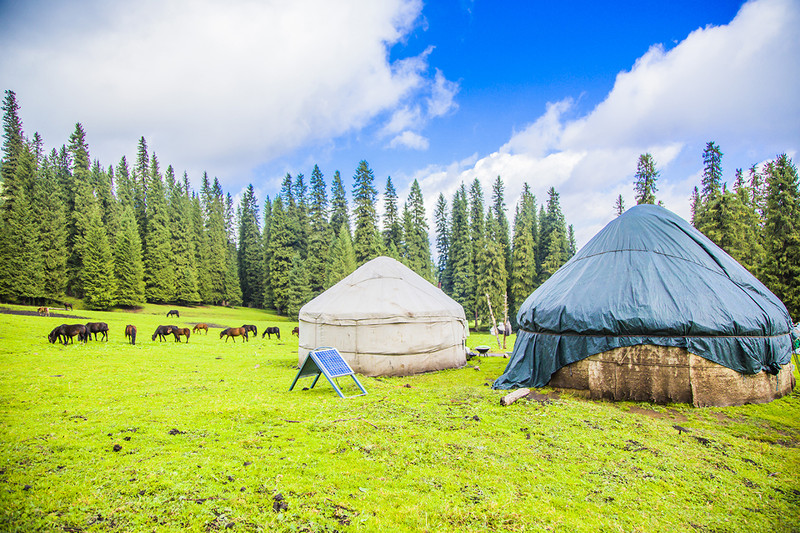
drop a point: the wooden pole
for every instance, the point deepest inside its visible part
(505, 318)
(512, 397)
(494, 322)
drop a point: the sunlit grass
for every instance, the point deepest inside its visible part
(208, 435)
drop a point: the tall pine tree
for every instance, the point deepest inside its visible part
(366, 241)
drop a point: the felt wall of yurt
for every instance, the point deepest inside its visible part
(386, 320)
(651, 309)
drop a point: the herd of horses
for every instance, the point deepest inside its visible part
(65, 333)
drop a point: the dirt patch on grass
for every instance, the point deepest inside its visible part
(670, 414)
(24, 312)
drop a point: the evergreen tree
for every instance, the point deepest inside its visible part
(417, 245)
(250, 253)
(13, 146)
(340, 215)
(554, 258)
(184, 255)
(159, 273)
(267, 300)
(281, 253)
(492, 279)
(619, 206)
(478, 240)
(302, 222)
(82, 199)
(124, 185)
(712, 171)
(201, 252)
(52, 233)
(696, 206)
(97, 274)
(366, 240)
(460, 265)
(320, 239)
(216, 262)
(128, 264)
(343, 259)
(573, 245)
(499, 207)
(392, 226)
(523, 273)
(781, 269)
(22, 274)
(232, 285)
(141, 175)
(299, 290)
(554, 237)
(442, 244)
(645, 180)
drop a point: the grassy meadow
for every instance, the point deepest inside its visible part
(205, 436)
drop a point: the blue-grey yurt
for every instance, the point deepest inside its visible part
(652, 310)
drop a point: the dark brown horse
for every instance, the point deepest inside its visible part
(269, 331)
(130, 333)
(67, 306)
(97, 327)
(250, 328)
(162, 332)
(198, 327)
(296, 331)
(173, 312)
(232, 333)
(56, 334)
(68, 331)
(178, 332)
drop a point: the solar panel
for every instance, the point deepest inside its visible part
(332, 360)
(327, 361)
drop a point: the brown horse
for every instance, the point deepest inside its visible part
(68, 331)
(178, 332)
(67, 306)
(270, 330)
(173, 312)
(198, 327)
(44, 311)
(56, 334)
(162, 332)
(130, 333)
(296, 331)
(97, 327)
(250, 328)
(229, 333)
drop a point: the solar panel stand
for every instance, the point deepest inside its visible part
(327, 361)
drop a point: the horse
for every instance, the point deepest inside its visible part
(233, 333)
(67, 306)
(181, 331)
(198, 327)
(173, 312)
(44, 311)
(250, 328)
(296, 331)
(56, 334)
(130, 333)
(162, 332)
(68, 331)
(97, 327)
(270, 330)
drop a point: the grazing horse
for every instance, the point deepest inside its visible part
(44, 311)
(269, 331)
(250, 328)
(130, 333)
(56, 334)
(173, 312)
(67, 306)
(162, 332)
(181, 331)
(97, 327)
(68, 331)
(296, 331)
(198, 327)
(229, 333)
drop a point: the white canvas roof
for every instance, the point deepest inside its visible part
(386, 320)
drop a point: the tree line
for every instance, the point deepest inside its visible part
(133, 233)
(756, 221)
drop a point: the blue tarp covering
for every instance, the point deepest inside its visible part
(649, 277)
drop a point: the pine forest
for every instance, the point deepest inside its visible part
(136, 231)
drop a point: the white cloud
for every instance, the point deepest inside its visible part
(409, 139)
(735, 84)
(229, 84)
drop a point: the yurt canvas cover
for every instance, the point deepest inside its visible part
(386, 320)
(649, 278)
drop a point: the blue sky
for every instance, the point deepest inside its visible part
(563, 94)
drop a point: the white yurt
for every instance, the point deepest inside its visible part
(386, 320)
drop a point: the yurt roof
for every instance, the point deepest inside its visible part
(379, 289)
(649, 277)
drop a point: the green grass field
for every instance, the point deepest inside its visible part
(205, 436)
